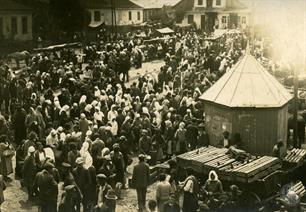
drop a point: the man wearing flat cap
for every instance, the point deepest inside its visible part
(102, 188)
(47, 187)
(140, 181)
(144, 142)
(118, 161)
(82, 179)
(109, 204)
(68, 203)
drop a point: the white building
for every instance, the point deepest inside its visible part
(15, 21)
(119, 12)
(127, 12)
(210, 14)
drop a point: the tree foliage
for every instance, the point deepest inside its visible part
(68, 15)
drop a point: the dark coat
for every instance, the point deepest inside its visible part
(19, 125)
(141, 175)
(29, 171)
(83, 179)
(48, 188)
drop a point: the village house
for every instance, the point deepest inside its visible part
(15, 21)
(214, 14)
(124, 12)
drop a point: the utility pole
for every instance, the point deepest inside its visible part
(114, 18)
(296, 142)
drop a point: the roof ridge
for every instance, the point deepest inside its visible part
(244, 58)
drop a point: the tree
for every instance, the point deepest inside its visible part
(165, 16)
(68, 16)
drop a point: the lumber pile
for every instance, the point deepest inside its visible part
(299, 189)
(295, 156)
(210, 158)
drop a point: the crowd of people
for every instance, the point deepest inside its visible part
(76, 121)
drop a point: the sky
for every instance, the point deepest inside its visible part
(286, 20)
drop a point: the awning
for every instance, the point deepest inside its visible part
(95, 24)
(166, 30)
(218, 33)
(58, 47)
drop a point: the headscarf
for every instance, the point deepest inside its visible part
(181, 125)
(82, 99)
(86, 155)
(212, 172)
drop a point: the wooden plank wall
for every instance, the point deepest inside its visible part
(260, 129)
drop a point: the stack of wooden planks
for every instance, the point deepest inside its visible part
(210, 158)
(256, 169)
(299, 189)
(295, 156)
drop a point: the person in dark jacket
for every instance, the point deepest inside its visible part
(48, 189)
(67, 203)
(102, 188)
(203, 137)
(82, 179)
(110, 202)
(29, 172)
(20, 129)
(140, 181)
(192, 134)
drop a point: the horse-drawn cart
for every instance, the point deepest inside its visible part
(259, 177)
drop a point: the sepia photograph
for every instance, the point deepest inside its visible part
(152, 105)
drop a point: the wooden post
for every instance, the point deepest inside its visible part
(296, 142)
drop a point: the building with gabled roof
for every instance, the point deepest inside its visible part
(212, 14)
(15, 21)
(127, 12)
(249, 101)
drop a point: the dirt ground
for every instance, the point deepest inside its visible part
(16, 197)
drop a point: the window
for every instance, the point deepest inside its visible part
(138, 16)
(243, 20)
(200, 2)
(24, 22)
(239, 19)
(97, 16)
(14, 25)
(209, 3)
(130, 15)
(190, 19)
(224, 20)
(218, 2)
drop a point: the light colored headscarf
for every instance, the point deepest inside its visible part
(86, 155)
(212, 172)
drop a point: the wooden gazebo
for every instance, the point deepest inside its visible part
(248, 100)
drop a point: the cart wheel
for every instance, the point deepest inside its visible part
(251, 199)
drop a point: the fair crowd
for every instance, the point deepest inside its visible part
(81, 124)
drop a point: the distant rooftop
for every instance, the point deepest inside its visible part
(10, 5)
(230, 5)
(155, 4)
(97, 4)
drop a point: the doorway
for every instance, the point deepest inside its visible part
(203, 22)
(211, 20)
(233, 21)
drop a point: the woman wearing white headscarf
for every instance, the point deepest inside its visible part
(86, 155)
(168, 135)
(114, 127)
(112, 113)
(213, 186)
(180, 139)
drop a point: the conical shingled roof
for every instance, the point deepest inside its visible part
(248, 84)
